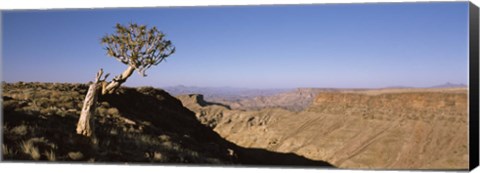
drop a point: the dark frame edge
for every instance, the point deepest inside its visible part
(473, 86)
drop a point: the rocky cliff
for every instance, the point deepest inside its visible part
(381, 129)
(295, 100)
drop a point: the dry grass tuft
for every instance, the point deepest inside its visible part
(50, 155)
(20, 130)
(75, 155)
(7, 152)
(29, 149)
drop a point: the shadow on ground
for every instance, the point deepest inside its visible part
(136, 125)
(247, 156)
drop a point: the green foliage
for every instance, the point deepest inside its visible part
(138, 46)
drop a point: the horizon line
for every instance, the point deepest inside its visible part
(444, 85)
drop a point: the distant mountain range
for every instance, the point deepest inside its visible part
(233, 93)
(445, 85)
(449, 85)
(227, 93)
(294, 100)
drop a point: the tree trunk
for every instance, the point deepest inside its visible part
(85, 124)
(117, 81)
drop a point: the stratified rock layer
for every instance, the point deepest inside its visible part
(381, 129)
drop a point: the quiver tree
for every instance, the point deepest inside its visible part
(135, 46)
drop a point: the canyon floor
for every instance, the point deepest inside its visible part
(407, 128)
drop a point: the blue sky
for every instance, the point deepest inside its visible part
(330, 45)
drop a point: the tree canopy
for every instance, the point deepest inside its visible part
(138, 46)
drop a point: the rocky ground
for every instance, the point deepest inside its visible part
(135, 125)
(379, 129)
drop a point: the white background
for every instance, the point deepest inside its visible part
(74, 168)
